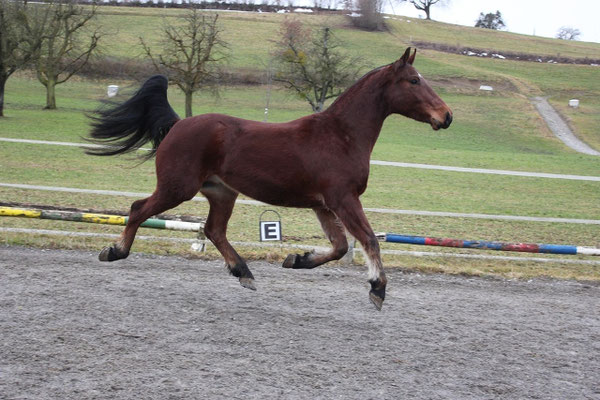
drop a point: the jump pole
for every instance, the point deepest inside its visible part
(484, 245)
(98, 218)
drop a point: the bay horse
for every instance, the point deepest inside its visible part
(320, 161)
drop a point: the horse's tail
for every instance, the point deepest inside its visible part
(125, 127)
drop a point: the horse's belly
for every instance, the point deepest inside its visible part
(284, 194)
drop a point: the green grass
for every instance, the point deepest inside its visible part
(499, 130)
(251, 39)
(389, 187)
(250, 35)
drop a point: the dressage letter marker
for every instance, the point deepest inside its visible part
(270, 230)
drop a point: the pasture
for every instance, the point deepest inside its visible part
(499, 130)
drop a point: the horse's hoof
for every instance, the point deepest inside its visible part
(376, 300)
(296, 261)
(377, 293)
(109, 254)
(106, 254)
(248, 283)
(289, 261)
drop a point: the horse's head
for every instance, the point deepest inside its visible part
(409, 94)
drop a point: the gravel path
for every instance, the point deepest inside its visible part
(560, 129)
(170, 328)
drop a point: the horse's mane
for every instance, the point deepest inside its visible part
(356, 86)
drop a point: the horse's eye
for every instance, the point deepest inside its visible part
(414, 81)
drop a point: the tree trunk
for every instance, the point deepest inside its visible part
(427, 12)
(2, 84)
(188, 104)
(50, 94)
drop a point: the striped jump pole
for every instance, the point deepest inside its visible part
(98, 219)
(484, 245)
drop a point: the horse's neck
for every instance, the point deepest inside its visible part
(361, 111)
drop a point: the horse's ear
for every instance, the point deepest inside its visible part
(411, 59)
(402, 61)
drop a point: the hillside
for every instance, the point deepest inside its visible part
(251, 35)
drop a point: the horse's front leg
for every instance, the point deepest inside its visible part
(336, 235)
(351, 213)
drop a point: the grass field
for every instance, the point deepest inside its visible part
(499, 130)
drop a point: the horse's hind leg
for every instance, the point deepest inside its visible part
(164, 198)
(221, 200)
(336, 235)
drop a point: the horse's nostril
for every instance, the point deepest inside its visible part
(448, 120)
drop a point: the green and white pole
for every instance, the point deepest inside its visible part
(99, 219)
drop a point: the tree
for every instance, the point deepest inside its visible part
(490, 21)
(568, 33)
(425, 5)
(63, 52)
(311, 65)
(370, 15)
(191, 54)
(21, 33)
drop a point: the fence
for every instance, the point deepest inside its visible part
(199, 244)
(99, 218)
(486, 245)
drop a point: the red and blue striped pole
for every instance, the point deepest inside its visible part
(484, 245)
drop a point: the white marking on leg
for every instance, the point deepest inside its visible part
(374, 266)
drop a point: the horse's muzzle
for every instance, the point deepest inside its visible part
(437, 124)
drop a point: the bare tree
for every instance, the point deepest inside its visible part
(425, 5)
(348, 5)
(63, 51)
(568, 33)
(191, 54)
(21, 33)
(311, 65)
(490, 21)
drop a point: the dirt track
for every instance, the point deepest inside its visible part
(169, 328)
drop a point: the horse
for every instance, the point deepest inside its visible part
(320, 161)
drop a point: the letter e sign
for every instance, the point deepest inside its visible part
(270, 230)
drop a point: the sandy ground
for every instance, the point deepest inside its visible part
(170, 328)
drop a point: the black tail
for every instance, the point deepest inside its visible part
(124, 127)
